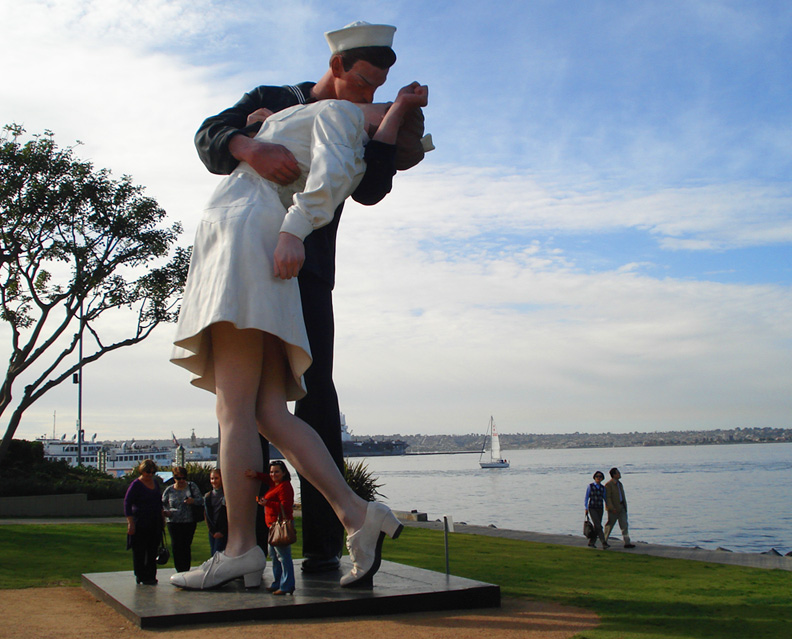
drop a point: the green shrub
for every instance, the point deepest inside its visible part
(361, 480)
(199, 473)
(25, 472)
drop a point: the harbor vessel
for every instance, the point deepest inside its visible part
(116, 460)
(368, 447)
(360, 447)
(491, 458)
(120, 458)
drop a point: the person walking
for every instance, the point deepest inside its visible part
(594, 505)
(616, 505)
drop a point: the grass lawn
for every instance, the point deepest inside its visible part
(636, 596)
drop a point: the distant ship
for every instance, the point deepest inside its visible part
(114, 460)
(367, 447)
(120, 459)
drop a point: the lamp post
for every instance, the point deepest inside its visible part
(80, 430)
(179, 455)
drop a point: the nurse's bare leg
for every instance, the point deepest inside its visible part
(238, 357)
(237, 364)
(300, 443)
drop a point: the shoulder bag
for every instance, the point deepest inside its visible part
(163, 554)
(197, 511)
(282, 532)
(588, 528)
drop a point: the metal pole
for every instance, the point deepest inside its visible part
(79, 394)
(445, 534)
(448, 526)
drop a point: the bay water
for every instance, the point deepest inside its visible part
(732, 496)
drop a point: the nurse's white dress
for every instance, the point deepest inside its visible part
(231, 270)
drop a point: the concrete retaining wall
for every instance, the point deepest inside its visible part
(60, 506)
(80, 506)
(404, 515)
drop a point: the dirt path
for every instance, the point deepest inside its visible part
(72, 613)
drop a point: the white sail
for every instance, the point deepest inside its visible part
(495, 451)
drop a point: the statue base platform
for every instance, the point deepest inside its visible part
(397, 589)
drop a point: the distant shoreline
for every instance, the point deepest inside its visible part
(438, 452)
(588, 446)
(472, 443)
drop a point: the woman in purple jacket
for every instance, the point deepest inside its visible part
(143, 510)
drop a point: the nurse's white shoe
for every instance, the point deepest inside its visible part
(365, 545)
(221, 569)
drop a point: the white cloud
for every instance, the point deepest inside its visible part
(592, 351)
(423, 343)
(456, 203)
(456, 296)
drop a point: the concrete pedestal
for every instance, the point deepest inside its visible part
(397, 589)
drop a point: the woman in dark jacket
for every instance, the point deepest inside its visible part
(215, 513)
(143, 510)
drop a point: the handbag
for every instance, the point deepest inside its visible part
(588, 529)
(282, 532)
(198, 514)
(197, 511)
(163, 554)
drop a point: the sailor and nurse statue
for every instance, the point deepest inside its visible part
(256, 322)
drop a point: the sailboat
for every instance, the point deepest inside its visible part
(493, 459)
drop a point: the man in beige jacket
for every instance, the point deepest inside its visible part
(616, 505)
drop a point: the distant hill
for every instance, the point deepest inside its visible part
(473, 442)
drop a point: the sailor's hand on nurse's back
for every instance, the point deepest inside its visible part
(289, 256)
(259, 115)
(273, 162)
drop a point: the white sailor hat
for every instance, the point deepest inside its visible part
(360, 34)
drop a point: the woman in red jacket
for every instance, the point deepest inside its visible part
(278, 499)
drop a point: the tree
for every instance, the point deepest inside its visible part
(75, 246)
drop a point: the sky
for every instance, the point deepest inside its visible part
(600, 242)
